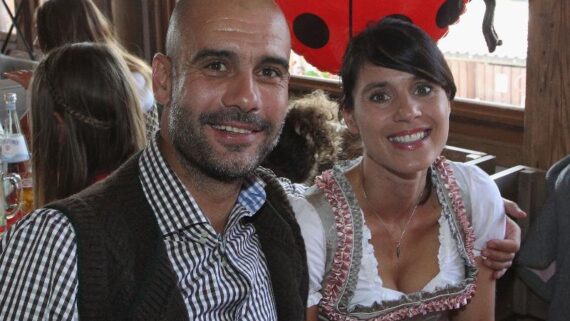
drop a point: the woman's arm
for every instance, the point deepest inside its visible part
(501, 252)
(23, 77)
(482, 305)
(488, 220)
(314, 237)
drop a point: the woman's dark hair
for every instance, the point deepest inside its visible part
(86, 119)
(60, 22)
(396, 44)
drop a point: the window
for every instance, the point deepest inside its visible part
(298, 66)
(498, 77)
(5, 21)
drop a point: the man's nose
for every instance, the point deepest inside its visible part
(242, 92)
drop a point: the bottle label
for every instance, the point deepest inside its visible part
(14, 149)
(27, 182)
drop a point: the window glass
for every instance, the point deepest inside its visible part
(298, 66)
(500, 76)
(5, 21)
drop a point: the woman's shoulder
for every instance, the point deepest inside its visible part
(482, 200)
(466, 169)
(473, 179)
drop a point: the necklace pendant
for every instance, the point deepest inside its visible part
(398, 251)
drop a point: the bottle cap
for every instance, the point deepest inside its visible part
(10, 100)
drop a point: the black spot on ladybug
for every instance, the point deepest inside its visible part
(449, 12)
(311, 30)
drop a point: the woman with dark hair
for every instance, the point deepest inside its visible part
(85, 121)
(397, 233)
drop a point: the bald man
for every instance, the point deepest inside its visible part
(191, 228)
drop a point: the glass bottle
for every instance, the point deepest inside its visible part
(16, 156)
(3, 221)
(9, 183)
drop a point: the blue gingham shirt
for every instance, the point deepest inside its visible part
(221, 276)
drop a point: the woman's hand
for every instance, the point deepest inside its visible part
(22, 77)
(498, 255)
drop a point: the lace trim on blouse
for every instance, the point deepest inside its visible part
(340, 281)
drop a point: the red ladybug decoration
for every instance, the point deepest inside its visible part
(320, 30)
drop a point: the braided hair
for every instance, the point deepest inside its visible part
(86, 119)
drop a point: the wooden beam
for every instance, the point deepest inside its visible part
(141, 25)
(547, 113)
(128, 24)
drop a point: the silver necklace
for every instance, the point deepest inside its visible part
(399, 242)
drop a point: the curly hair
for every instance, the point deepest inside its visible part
(350, 145)
(309, 142)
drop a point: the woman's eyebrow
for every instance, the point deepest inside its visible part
(376, 84)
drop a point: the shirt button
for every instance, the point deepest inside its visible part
(203, 239)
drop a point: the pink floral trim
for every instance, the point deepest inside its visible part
(340, 267)
(336, 279)
(446, 174)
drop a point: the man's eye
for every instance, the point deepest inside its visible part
(379, 97)
(423, 90)
(216, 66)
(270, 72)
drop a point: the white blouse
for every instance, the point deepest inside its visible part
(487, 218)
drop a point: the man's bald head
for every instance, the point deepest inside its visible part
(223, 85)
(188, 14)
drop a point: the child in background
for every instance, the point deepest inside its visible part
(309, 142)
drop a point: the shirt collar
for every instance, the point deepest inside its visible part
(174, 206)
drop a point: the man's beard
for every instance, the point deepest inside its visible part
(195, 153)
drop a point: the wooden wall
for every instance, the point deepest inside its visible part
(547, 113)
(485, 81)
(140, 24)
(496, 130)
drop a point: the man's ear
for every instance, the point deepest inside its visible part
(348, 116)
(161, 78)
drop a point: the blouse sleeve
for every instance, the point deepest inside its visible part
(487, 210)
(314, 237)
